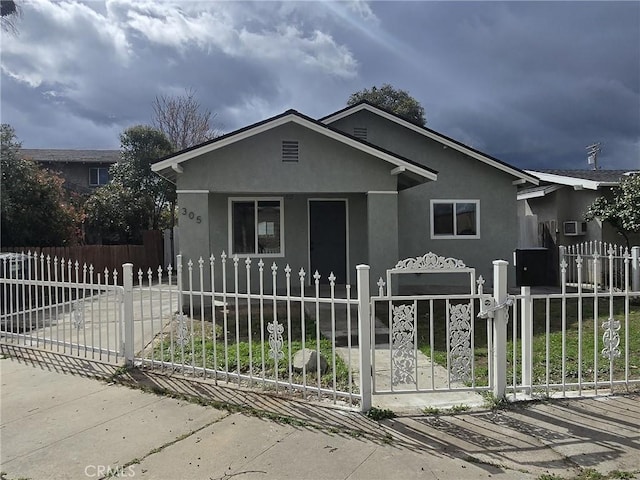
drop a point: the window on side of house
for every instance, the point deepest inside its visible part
(98, 176)
(455, 219)
(256, 226)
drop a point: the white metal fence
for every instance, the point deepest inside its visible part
(569, 342)
(62, 305)
(243, 322)
(236, 323)
(603, 265)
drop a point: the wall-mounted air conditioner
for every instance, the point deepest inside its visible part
(573, 228)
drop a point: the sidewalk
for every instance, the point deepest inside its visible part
(59, 422)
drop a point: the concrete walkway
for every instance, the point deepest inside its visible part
(59, 422)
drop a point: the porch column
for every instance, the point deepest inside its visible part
(193, 230)
(382, 232)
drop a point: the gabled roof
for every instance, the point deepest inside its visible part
(579, 179)
(433, 135)
(169, 166)
(70, 156)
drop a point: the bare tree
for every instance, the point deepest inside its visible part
(182, 120)
(9, 13)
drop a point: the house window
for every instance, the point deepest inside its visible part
(256, 227)
(98, 176)
(455, 219)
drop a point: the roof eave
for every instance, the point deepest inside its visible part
(575, 182)
(433, 135)
(173, 162)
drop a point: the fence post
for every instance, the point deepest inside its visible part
(500, 329)
(635, 269)
(364, 335)
(179, 282)
(526, 327)
(562, 253)
(127, 278)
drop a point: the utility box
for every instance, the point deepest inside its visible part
(533, 267)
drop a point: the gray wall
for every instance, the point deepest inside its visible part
(459, 177)
(254, 166)
(567, 204)
(296, 235)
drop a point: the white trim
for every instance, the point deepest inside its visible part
(433, 136)
(397, 171)
(346, 209)
(454, 201)
(98, 184)
(230, 201)
(293, 118)
(571, 181)
(192, 191)
(382, 192)
(539, 193)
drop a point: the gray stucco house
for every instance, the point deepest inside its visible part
(552, 213)
(361, 185)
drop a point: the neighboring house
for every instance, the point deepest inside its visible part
(552, 213)
(83, 170)
(360, 186)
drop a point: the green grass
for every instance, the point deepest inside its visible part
(580, 346)
(251, 357)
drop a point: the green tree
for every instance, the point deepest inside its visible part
(621, 209)
(115, 213)
(136, 197)
(394, 100)
(36, 211)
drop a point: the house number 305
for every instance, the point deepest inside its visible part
(191, 215)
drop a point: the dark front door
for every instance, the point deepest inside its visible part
(328, 239)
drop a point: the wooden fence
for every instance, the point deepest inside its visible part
(112, 257)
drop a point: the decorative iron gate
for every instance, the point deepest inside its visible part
(430, 342)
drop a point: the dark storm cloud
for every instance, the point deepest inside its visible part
(106, 65)
(530, 83)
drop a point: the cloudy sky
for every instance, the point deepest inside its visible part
(530, 83)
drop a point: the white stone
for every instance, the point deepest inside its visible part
(308, 357)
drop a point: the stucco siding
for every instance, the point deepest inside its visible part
(567, 204)
(214, 237)
(498, 232)
(255, 166)
(459, 178)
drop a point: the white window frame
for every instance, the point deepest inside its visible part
(230, 226)
(98, 184)
(454, 236)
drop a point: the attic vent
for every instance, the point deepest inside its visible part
(360, 132)
(290, 150)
